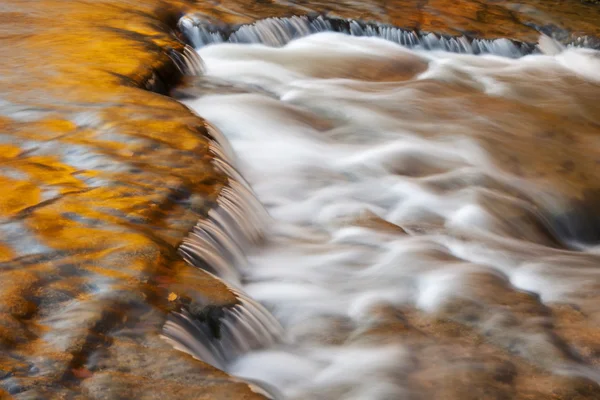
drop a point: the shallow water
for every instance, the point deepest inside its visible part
(424, 238)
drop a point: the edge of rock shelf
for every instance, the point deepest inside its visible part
(101, 180)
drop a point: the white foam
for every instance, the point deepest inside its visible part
(332, 159)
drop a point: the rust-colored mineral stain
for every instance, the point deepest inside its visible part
(15, 298)
(9, 151)
(17, 196)
(48, 170)
(81, 373)
(6, 253)
(63, 232)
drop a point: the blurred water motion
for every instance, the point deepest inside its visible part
(429, 228)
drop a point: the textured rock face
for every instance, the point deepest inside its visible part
(101, 180)
(458, 317)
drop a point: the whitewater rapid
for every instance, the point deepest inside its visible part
(405, 187)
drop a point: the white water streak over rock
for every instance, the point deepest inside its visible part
(218, 244)
(280, 31)
(188, 62)
(383, 196)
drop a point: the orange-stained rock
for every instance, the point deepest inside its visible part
(22, 195)
(101, 179)
(488, 18)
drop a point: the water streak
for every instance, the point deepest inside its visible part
(412, 248)
(218, 244)
(280, 31)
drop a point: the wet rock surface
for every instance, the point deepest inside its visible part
(102, 177)
(464, 304)
(101, 180)
(484, 19)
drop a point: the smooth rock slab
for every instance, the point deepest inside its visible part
(101, 180)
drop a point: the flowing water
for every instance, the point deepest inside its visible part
(422, 234)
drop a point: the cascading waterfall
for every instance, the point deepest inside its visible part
(280, 31)
(388, 174)
(218, 244)
(188, 62)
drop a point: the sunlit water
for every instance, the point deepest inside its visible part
(399, 183)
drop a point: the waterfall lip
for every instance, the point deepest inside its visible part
(188, 62)
(217, 245)
(278, 31)
(217, 340)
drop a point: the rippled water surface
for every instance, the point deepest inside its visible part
(424, 238)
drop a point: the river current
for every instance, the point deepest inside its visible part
(421, 237)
